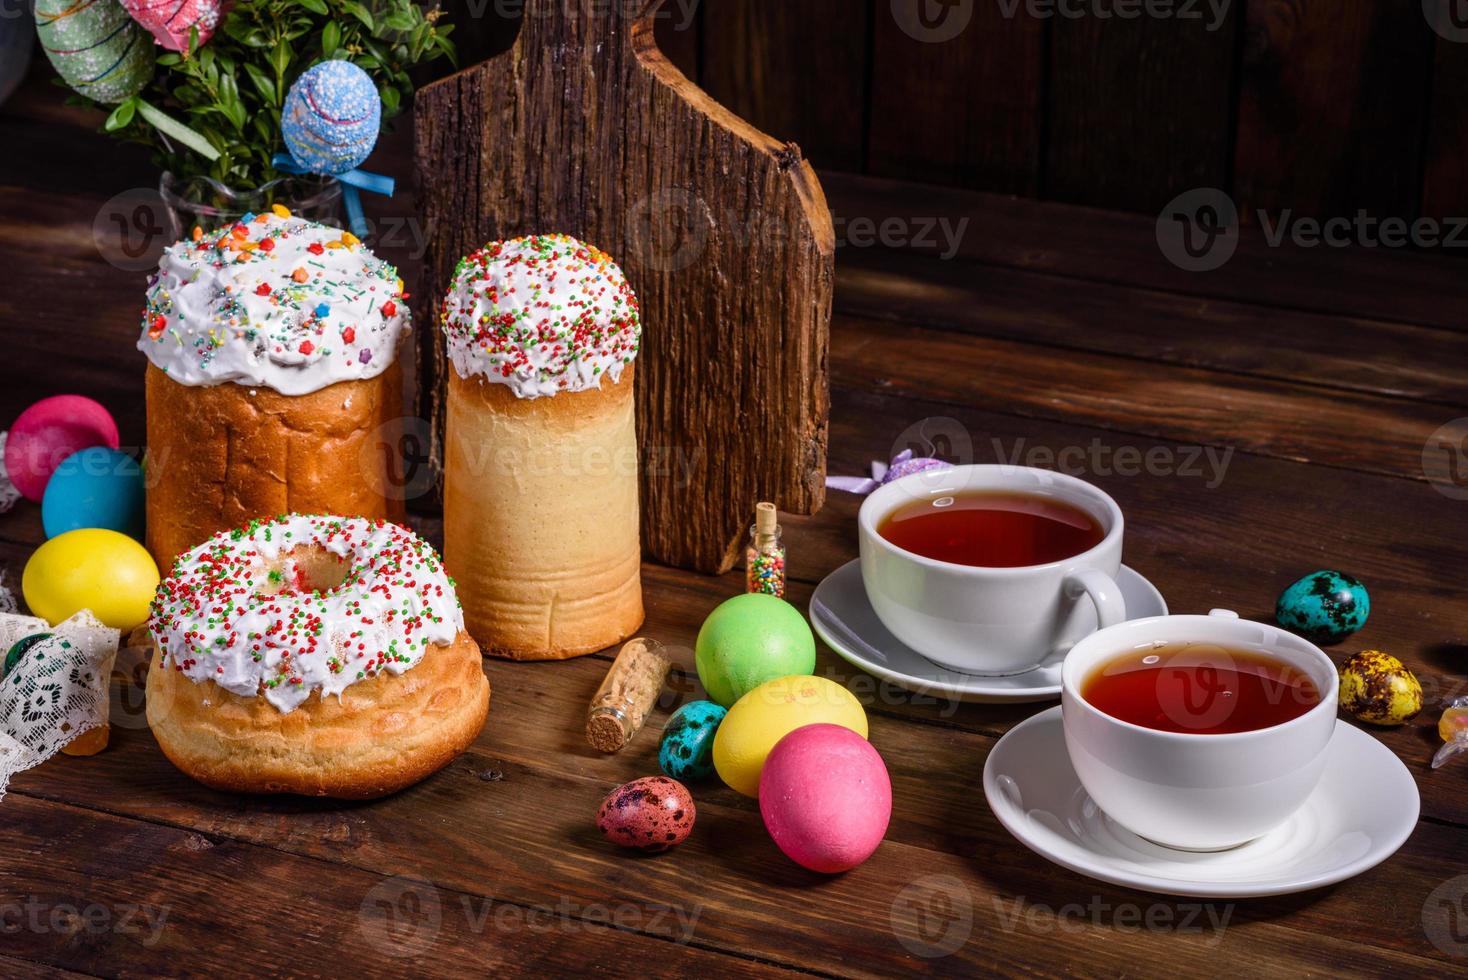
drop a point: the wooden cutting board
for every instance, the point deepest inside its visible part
(583, 127)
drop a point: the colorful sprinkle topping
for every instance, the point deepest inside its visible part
(542, 314)
(252, 610)
(268, 301)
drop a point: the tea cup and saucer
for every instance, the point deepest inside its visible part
(1189, 797)
(969, 631)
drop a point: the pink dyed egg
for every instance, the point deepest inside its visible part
(169, 21)
(48, 432)
(649, 814)
(826, 797)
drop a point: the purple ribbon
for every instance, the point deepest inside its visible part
(903, 464)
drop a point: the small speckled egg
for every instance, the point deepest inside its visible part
(825, 797)
(1324, 606)
(91, 568)
(748, 640)
(650, 814)
(687, 749)
(770, 712)
(1378, 688)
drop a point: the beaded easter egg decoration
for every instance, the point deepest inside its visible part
(95, 47)
(170, 21)
(331, 117)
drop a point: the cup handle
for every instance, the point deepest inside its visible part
(1103, 590)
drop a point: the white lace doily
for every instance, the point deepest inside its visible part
(8, 494)
(56, 691)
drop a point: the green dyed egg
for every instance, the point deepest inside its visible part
(748, 640)
(96, 47)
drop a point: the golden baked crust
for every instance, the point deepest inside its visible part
(384, 734)
(541, 519)
(221, 456)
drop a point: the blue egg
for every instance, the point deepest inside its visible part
(687, 749)
(331, 117)
(96, 487)
(1324, 606)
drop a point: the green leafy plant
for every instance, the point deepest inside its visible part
(230, 90)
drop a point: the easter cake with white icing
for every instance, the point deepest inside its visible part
(540, 448)
(318, 655)
(272, 381)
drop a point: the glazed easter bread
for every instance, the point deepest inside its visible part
(321, 656)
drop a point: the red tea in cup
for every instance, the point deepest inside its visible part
(1200, 688)
(992, 530)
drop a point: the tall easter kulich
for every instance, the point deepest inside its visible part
(540, 449)
(273, 384)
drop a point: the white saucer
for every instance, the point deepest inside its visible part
(844, 619)
(1338, 833)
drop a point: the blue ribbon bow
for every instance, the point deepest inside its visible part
(352, 182)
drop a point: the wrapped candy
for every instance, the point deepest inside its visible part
(903, 464)
(1452, 727)
(95, 47)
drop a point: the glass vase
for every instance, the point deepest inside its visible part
(206, 203)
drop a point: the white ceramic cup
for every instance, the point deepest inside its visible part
(1188, 790)
(991, 620)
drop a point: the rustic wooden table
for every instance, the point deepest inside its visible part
(1052, 334)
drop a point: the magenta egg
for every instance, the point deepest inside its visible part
(825, 797)
(50, 431)
(649, 814)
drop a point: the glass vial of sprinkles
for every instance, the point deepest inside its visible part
(764, 559)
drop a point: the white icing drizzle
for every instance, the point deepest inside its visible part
(542, 314)
(274, 301)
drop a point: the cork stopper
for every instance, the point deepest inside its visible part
(765, 518)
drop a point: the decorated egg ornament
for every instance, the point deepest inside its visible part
(1324, 606)
(95, 47)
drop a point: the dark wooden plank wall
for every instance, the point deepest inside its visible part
(1323, 109)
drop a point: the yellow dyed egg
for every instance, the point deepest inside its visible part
(770, 712)
(1377, 688)
(91, 568)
